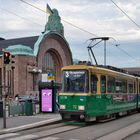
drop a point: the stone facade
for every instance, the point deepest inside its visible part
(50, 53)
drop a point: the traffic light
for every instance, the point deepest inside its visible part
(6, 57)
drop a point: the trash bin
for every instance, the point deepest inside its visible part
(1, 108)
(28, 107)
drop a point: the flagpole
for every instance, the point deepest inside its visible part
(46, 13)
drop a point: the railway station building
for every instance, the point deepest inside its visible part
(135, 70)
(34, 59)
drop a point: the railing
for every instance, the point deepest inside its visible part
(16, 108)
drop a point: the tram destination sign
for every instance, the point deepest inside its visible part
(74, 74)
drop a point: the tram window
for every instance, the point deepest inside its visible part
(139, 87)
(75, 81)
(121, 86)
(134, 87)
(124, 86)
(118, 86)
(103, 84)
(111, 85)
(94, 80)
(130, 87)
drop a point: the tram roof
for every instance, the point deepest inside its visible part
(102, 70)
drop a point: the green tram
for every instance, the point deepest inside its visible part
(96, 92)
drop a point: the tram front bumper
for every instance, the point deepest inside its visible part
(69, 114)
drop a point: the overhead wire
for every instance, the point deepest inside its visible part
(71, 23)
(61, 19)
(126, 52)
(20, 16)
(82, 28)
(131, 21)
(117, 46)
(125, 14)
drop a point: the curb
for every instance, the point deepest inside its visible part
(28, 126)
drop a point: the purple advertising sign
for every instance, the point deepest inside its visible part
(46, 98)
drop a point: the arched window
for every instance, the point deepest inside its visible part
(52, 63)
(49, 64)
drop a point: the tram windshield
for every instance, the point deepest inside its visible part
(75, 81)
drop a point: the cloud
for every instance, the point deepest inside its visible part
(100, 18)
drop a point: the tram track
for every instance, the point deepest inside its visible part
(54, 131)
(121, 133)
(49, 130)
(116, 130)
(43, 127)
(62, 127)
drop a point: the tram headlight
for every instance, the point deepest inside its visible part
(81, 107)
(62, 107)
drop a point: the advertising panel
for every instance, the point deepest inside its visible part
(46, 100)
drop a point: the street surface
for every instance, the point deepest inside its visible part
(94, 131)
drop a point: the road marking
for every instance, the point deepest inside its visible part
(73, 139)
(50, 138)
(53, 138)
(8, 135)
(24, 137)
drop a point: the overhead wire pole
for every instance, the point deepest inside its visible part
(105, 52)
(105, 39)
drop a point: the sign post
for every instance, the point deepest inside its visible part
(5, 63)
(3, 98)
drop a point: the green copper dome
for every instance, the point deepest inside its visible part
(20, 50)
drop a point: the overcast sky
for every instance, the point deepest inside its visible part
(99, 17)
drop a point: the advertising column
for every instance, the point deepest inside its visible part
(47, 100)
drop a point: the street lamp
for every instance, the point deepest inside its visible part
(40, 71)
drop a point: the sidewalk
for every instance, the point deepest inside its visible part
(24, 122)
